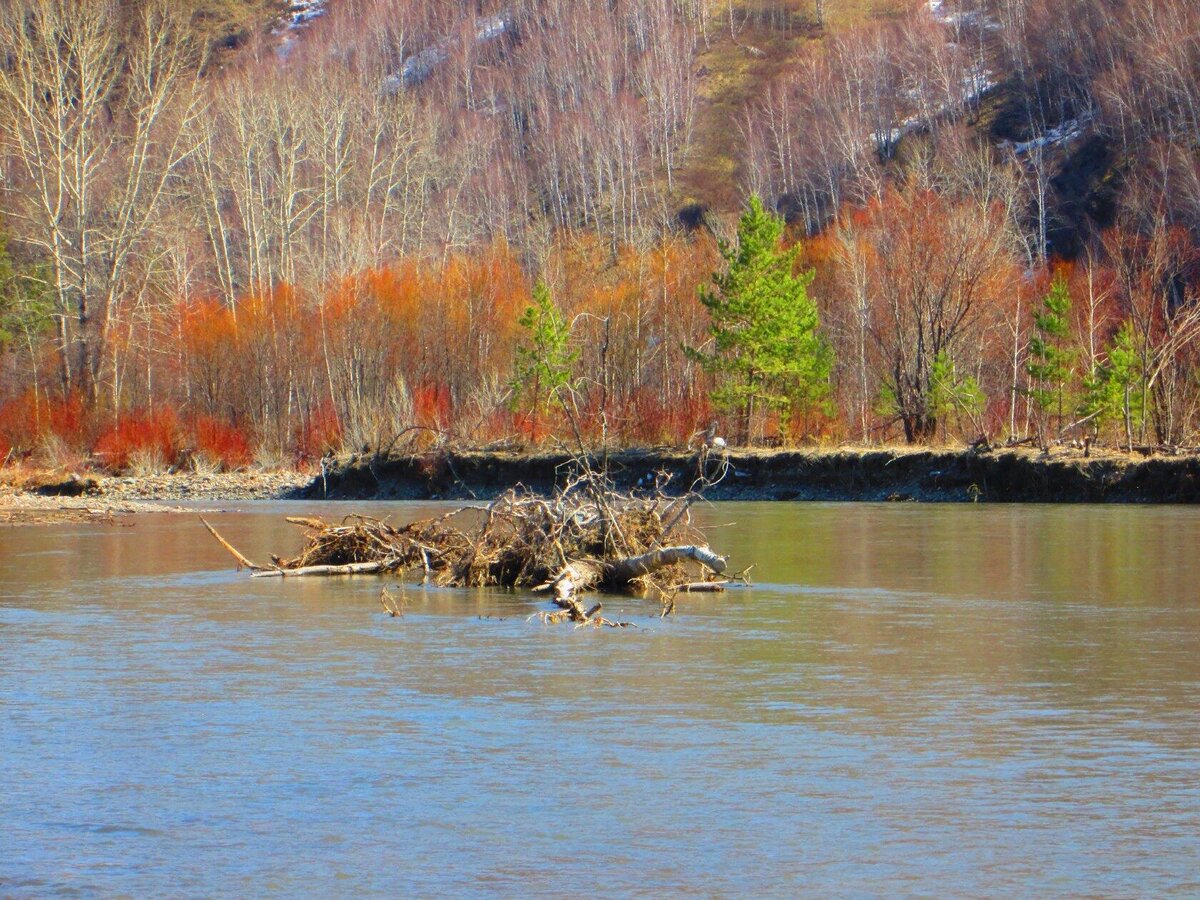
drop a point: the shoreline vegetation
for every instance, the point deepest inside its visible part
(874, 474)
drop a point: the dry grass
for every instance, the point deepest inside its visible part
(146, 462)
(268, 459)
(737, 66)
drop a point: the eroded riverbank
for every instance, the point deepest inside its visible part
(900, 474)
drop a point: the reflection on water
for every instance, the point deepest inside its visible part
(911, 698)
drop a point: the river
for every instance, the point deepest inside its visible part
(964, 699)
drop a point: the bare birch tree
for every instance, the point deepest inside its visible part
(93, 109)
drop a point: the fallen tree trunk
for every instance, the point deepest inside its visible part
(242, 561)
(701, 587)
(623, 571)
(580, 576)
(362, 568)
(583, 575)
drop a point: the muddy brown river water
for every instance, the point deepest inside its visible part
(912, 699)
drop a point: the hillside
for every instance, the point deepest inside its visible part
(903, 58)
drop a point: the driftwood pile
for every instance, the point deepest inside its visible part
(586, 537)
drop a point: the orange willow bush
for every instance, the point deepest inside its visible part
(30, 419)
(162, 439)
(156, 436)
(319, 433)
(634, 312)
(221, 443)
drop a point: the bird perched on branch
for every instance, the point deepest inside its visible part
(712, 440)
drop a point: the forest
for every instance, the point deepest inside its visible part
(249, 232)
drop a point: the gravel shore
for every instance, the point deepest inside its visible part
(41, 498)
(231, 486)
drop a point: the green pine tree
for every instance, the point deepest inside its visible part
(767, 348)
(544, 360)
(25, 305)
(1051, 362)
(8, 294)
(1112, 394)
(953, 394)
(26, 313)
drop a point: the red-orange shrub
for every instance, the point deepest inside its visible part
(431, 405)
(19, 427)
(319, 433)
(28, 419)
(68, 421)
(649, 421)
(221, 442)
(156, 432)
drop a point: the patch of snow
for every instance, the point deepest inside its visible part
(969, 19)
(490, 28)
(886, 141)
(976, 83)
(420, 65)
(1060, 136)
(973, 86)
(300, 14)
